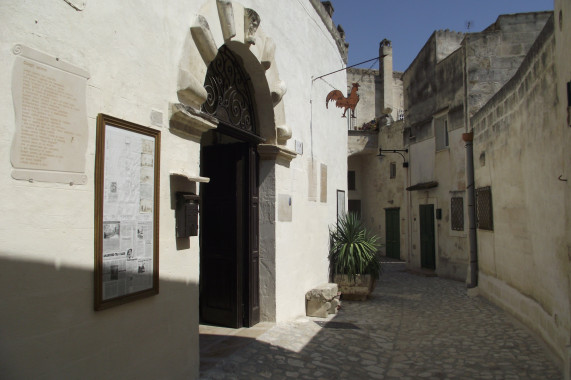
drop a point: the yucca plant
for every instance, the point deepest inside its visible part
(353, 250)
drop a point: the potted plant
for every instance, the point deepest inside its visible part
(354, 263)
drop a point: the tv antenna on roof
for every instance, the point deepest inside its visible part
(469, 24)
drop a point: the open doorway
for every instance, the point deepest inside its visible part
(229, 252)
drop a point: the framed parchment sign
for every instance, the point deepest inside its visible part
(126, 212)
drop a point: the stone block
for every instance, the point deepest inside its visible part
(335, 303)
(324, 291)
(321, 301)
(317, 308)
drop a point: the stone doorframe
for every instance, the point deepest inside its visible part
(214, 26)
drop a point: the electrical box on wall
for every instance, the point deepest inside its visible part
(186, 214)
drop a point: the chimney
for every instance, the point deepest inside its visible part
(386, 73)
(328, 7)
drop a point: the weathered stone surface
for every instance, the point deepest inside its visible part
(335, 304)
(324, 291)
(357, 289)
(321, 301)
(317, 308)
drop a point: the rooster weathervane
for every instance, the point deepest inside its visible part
(341, 101)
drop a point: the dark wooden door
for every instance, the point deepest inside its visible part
(392, 232)
(253, 248)
(427, 240)
(229, 255)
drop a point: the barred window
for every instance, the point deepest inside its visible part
(484, 212)
(457, 213)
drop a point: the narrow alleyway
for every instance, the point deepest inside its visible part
(414, 327)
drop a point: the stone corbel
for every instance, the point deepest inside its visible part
(284, 134)
(268, 53)
(202, 36)
(226, 15)
(251, 23)
(191, 92)
(281, 155)
(190, 121)
(278, 90)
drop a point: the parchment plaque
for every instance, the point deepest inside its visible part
(50, 138)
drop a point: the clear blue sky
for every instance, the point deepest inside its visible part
(409, 23)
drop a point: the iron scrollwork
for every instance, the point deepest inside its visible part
(228, 88)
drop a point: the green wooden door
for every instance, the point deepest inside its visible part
(427, 241)
(392, 232)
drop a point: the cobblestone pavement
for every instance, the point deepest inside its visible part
(413, 327)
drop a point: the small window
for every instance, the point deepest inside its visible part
(484, 212)
(351, 180)
(393, 170)
(457, 213)
(441, 132)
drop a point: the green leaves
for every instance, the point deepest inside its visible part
(353, 250)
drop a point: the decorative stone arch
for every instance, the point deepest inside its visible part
(214, 26)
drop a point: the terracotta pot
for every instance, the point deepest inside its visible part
(358, 289)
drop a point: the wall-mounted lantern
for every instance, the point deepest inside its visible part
(398, 151)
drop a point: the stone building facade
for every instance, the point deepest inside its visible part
(488, 111)
(521, 177)
(150, 64)
(450, 79)
(376, 185)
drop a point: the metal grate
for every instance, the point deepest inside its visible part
(484, 214)
(229, 90)
(457, 213)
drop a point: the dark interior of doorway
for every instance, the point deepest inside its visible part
(229, 254)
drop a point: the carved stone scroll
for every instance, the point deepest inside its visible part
(251, 23)
(191, 92)
(268, 53)
(284, 134)
(202, 36)
(226, 15)
(278, 89)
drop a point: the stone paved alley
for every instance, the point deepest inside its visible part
(414, 327)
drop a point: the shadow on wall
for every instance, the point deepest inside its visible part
(49, 329)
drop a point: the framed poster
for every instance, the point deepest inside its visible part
(340, 203)
(127, 162)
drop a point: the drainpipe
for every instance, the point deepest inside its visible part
(469, 138)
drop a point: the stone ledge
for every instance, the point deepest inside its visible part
(280, 154)
(191, 121)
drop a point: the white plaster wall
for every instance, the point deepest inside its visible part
(302, 245)
(133, 52)
(381, 191)
(422, 161)
(48, 327)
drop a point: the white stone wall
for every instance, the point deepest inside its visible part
(134, 54)
(520, 151)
